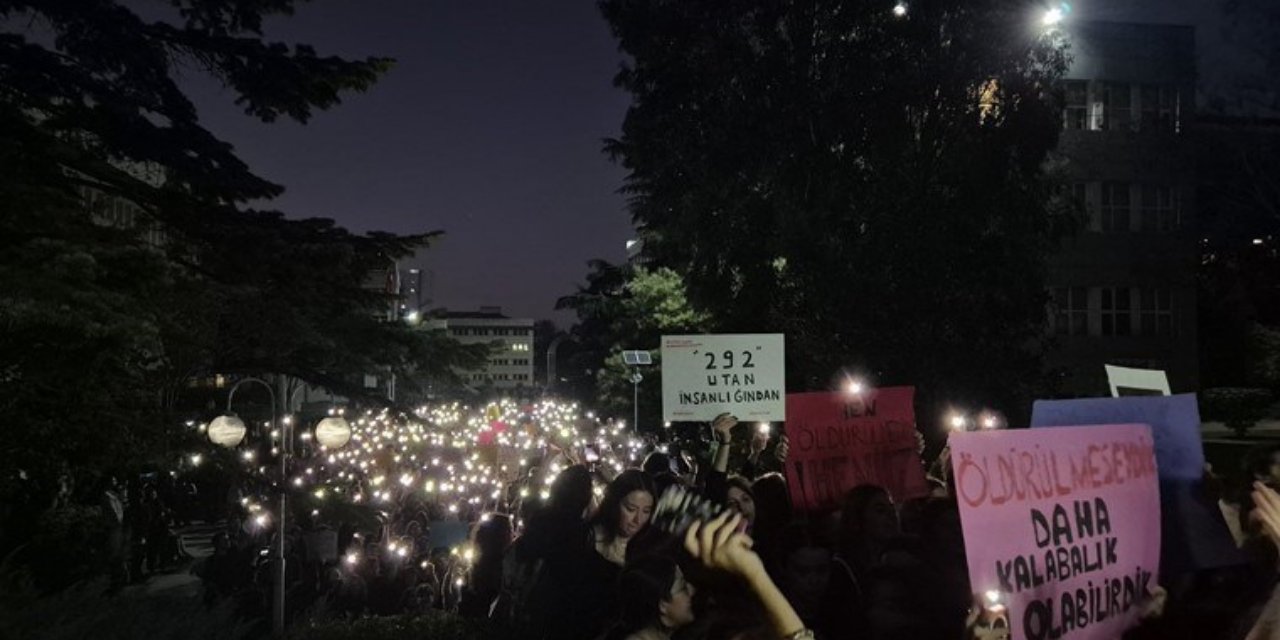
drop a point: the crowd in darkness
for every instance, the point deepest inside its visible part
(581, 563)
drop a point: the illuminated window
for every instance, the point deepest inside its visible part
(988, 100)
(1117, 107)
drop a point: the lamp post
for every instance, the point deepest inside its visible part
(226, 427)
(636, 359)
(228, 431)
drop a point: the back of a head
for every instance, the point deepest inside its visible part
(571, 490)
(854, 505)
(773, 501)
(493, 535)
(656, 463)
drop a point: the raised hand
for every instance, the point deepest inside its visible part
(759, 440)
(723, 426)
(784, 447)
(1267, 510)
(719, 545)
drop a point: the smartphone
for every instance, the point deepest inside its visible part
(763, 427)
(679, 508)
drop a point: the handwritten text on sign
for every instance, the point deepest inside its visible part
(842, 440)
(1065, 522)
(741, 374)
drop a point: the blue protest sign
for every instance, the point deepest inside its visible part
(1194, 535)
(1174, 420)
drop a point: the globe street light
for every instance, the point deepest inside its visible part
(333, 432)
(226, 429)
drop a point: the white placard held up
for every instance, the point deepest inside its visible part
(1137, 382)
(741, 374)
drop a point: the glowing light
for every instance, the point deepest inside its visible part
(854, 387)
(957, 421)
(1054, 16)
(352, 558)
(196, 459)
(900, 9)
(226, 431)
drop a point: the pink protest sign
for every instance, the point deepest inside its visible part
(1064, 522)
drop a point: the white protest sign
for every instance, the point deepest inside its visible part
(1137, 382)
(741, 374)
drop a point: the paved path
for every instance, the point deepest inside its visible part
(197, 538)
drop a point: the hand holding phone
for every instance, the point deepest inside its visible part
(679, 508)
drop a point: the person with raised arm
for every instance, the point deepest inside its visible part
(720, 546)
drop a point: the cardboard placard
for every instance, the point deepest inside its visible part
(1064, 523)
(740, 374)
(840, 440)
(1126, 381)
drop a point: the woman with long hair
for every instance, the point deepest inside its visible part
(624, 512)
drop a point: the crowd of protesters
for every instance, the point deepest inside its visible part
(584, 561)
(140, 520)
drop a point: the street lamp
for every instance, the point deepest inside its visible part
(333, 432)
(635, 360)
(226, 428)
(1054, 15)
(228, 431)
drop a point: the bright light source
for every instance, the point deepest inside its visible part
(1053, 17)
(957, 421)
(854, 387)
(1257, 241)
(412, 317)
(900, 9)
(990, 422)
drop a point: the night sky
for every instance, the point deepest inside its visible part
(489, 128)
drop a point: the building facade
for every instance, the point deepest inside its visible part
(1123, 289)
(511, 360)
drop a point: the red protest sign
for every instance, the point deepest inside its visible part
(843, 440)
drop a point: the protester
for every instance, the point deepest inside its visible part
(114, 538)
(492, 537)
(719, 545)
(773, 513)
(624, 512)
(655, 600)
